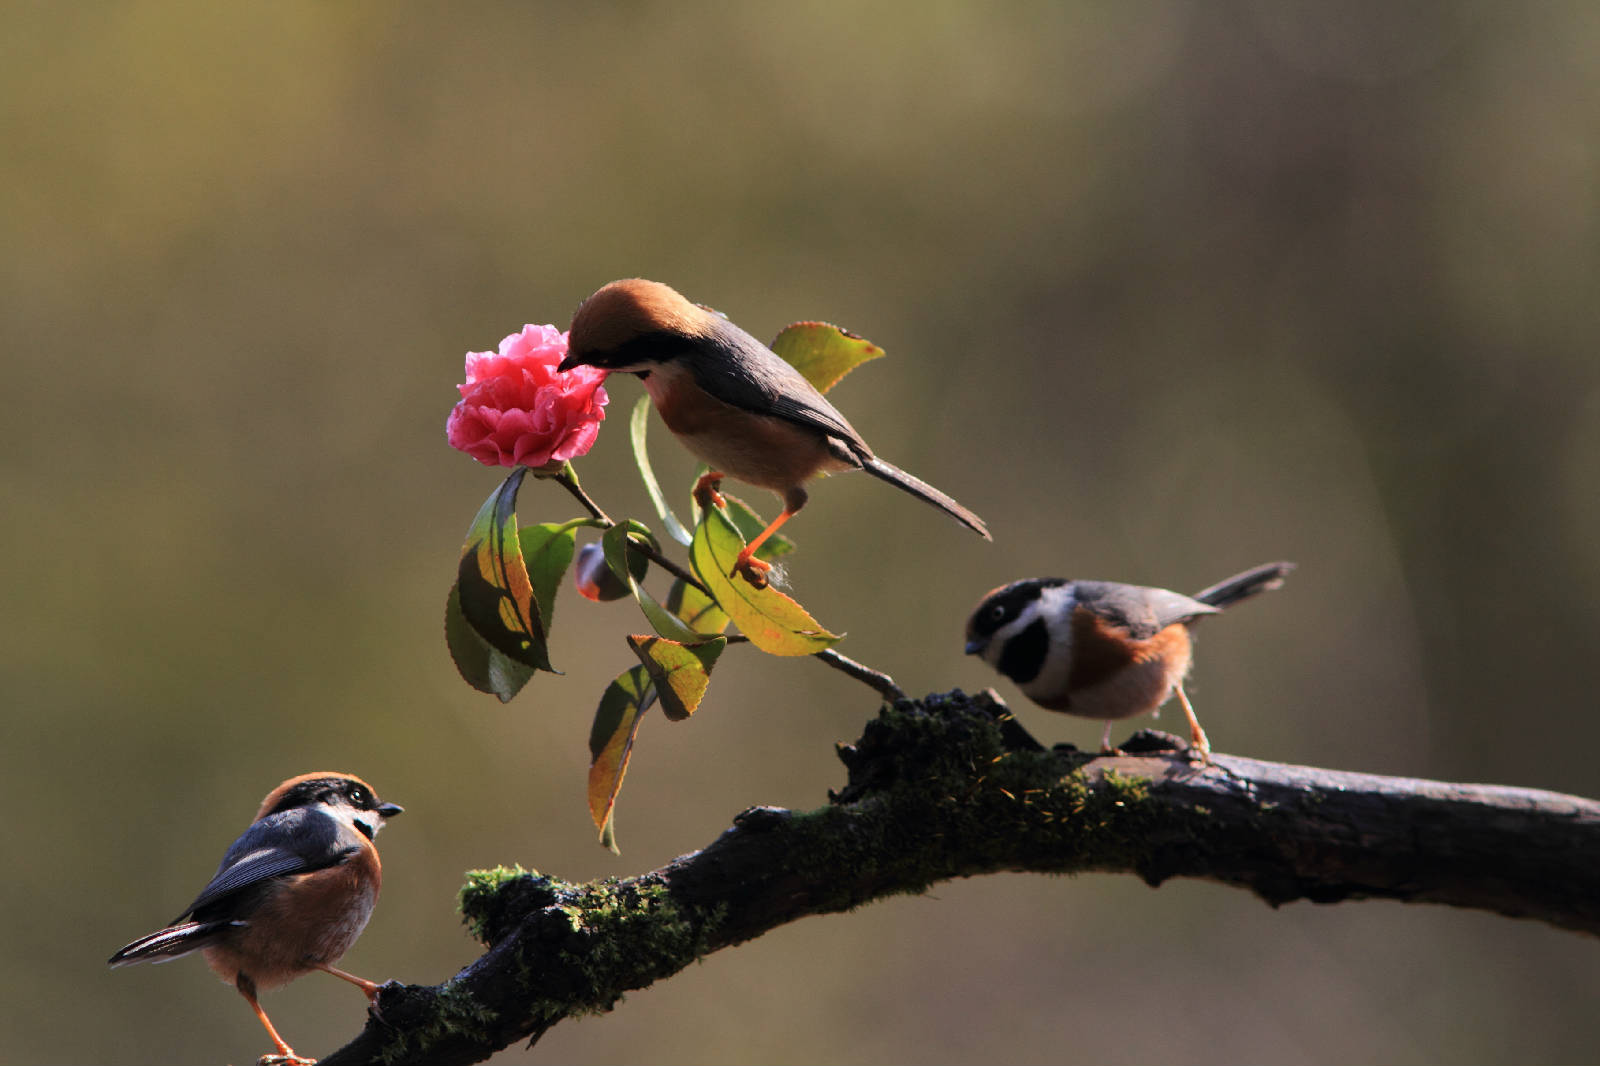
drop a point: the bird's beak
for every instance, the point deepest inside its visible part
(389, 810)
(569, 362)
(976, 645)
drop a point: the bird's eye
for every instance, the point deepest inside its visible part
(997, 612)
(358, 796)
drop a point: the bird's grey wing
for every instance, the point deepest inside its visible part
(739, 370)
(1143, 612)
(288, 842)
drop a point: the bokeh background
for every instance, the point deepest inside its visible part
(1168, 290)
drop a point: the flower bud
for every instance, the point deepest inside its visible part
(594, 578)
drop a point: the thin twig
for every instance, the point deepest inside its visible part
(880, 683)
(877, 681)
(567, 480)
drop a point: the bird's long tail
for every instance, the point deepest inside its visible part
(1243, 586)
(917, 487)
(171, 942)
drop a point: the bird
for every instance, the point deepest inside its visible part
(291, 895)
(1102, 649)
(730, 400)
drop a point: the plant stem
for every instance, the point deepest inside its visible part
(879, 682)
(568, 480)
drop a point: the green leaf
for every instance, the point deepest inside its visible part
(823, 353)
(493, 586)
(638, 424)
(620, 559)
(616, 724)
(480, 665)
(698, 611)
(774, 623)
(680, 672)
(547, 550)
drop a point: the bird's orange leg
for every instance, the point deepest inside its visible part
(1105, 740)
(753, 569)
(705, 490)
(369, 987)
(1197, 736)
(285, 1055)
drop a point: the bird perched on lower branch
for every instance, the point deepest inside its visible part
(731, 400)
(1099, 649)
(291, 895)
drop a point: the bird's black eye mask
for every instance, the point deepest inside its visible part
(1004, 606)
(657, 346)
(1024, 654)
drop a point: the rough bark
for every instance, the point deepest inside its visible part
(951, 786)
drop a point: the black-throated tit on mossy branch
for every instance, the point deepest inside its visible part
(1099, 649)
(291, 895)
(731, 400)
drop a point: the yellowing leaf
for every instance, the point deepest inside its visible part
(616, 724)
(823, 353)
(774, 623)
(680, 672)
(698, 611)
(547, 550)
(481, 665)
(493, 588)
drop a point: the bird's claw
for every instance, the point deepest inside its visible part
(705, 491)
(754, 570)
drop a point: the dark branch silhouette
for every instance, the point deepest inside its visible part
(952, 786)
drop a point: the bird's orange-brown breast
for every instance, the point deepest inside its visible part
(1114, 675)
(309, 918)
(1101, 649)
(761, 449)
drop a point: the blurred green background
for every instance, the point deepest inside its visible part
(1168, 290)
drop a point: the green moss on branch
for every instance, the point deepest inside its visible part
(951, 786)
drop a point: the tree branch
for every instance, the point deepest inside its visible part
(952, 786)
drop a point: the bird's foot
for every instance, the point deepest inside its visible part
(1199, 749)
(1198, 741)
(285, 1058)
(705, 490)
(754, 570)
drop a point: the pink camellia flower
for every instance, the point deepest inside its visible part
(515, 410)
